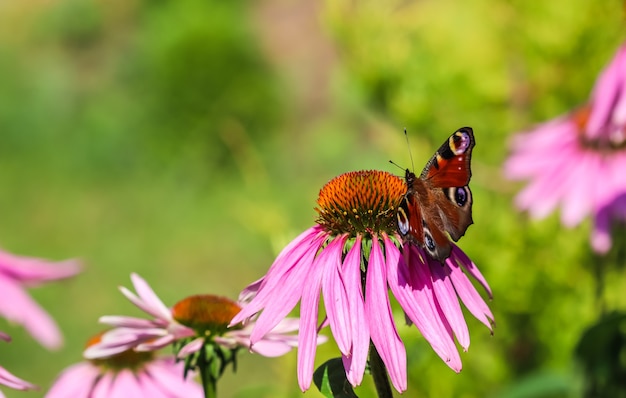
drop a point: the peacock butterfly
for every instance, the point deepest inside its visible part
(439, 201)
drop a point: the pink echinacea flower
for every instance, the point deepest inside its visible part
(191, 323)
(125, 374)
(17, 273)
(578, 161)
(352, 259)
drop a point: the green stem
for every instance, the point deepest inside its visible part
(209, 383)
(379, 374)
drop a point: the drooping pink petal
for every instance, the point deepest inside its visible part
(292, 288)
(448, 301)
(355, 363)
(17, 306)
(462, 259)
(470, 297)
(32, 271)
(290, 265)
(607, 88)
(416, 300)
(335, 295)
(125, 384)
(576, 203)
(75, 381)
(308, 324)
(193, 346)
(169, 376)
(10, 380)
(380, 319)
(5, 337)
(104, 386)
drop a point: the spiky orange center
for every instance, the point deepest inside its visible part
(360, 202)
(206, 313)
(128, 359)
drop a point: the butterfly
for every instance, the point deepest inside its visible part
(439, 202)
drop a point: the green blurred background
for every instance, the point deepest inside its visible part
(186, 140)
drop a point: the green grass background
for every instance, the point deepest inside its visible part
(187, 140)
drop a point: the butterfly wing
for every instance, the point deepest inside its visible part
(448, 173)
(439, 201)
(420, 222)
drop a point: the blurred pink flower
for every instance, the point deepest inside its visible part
(126, 374)
(17, 273)
(193, 320)
(352, 259)
(578, 161)
(9, 380)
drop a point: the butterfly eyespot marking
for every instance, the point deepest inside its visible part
(459, 142)
(403, 220)
(429, 242)
(459, 195)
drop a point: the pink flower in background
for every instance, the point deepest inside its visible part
(16, 305)
(126, 374)
(357, 230)
(193, 320)
(9, 380)
(578, 161)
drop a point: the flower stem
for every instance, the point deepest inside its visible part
(379, 374)
(209, 383)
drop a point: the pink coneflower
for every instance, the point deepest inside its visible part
(578, 160)
(191, 322)
(8, 379)
(125, 374)
(17, 306)
(351, 258)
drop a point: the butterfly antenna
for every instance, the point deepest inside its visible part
(397, 165)
(406, 136)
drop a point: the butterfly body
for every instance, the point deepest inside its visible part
(437, 206)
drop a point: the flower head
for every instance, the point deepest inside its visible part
(578, 160)
(351, 258)
(125, 374)
(17, 306)
(8, 379)
(191, 323)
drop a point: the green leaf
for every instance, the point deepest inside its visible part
(330, 379)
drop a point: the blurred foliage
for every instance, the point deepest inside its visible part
(175, 139)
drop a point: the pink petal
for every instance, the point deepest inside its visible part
(380, 318)
(462, 259)
(576, 201)
(169, 375)
(356, 362)
(606, 90)
(449, 303)
(282, 301)
(104, 386)
(17, 306)
(289, 265)
(75, 381)
(35, 270)
(335, 295)
(10, 380)
(469, 295)
(5, 337)
(148, 300)
(125, 385)
(416, 299)
(307, 338)
(194, 346)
